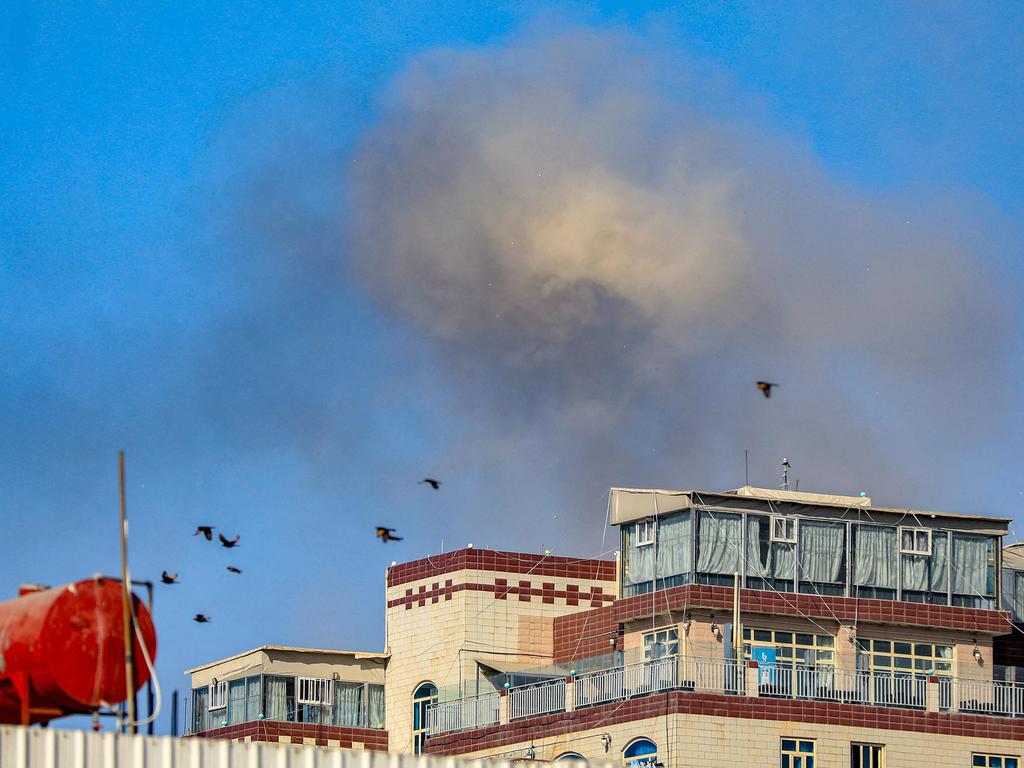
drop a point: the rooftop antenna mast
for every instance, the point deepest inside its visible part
(785, 473)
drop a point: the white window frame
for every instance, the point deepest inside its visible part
(648, 527)
(786, 523)
(217, 696)
(667, 642)
(915, 532)
(872, 749)
(314, 690)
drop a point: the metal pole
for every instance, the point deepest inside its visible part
(737, 629)
(126, 596)
(174, 713)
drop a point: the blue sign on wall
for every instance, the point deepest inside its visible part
(765, 658)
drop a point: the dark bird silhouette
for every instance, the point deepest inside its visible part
(200, 618)
(228, 543)
(384, 534)
(206, 530)
(234, 570)
(435, 484)
(766, 387)
(169, 578)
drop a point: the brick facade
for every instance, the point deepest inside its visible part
(302, 733)
(501, 562)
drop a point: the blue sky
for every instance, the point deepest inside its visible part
(147, 302)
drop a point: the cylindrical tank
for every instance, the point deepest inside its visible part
(64, 647)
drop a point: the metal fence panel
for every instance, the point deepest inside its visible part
(530, 700)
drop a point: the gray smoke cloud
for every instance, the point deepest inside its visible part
(609, 247)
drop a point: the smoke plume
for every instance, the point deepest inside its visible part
(608, 251)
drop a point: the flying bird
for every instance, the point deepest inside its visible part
(384, 534)
(435, 484)
(766, 387)
(206, 530)
(169, 578)
(200, 618)
(234, 570)
(228, 543)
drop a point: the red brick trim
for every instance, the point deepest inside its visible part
(501, 562)
(272, 730)
(748, 708)
(524, 592)
(595, 626)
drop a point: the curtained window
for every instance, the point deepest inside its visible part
(719, 543)
(769, 563)
(236, 702)
(375, 698)
(925, 576)
(971, 562)
(253, 698)
(638, 560)
(674, 549)
(279, 697)
(348, 704)
(200, 716)
(875, 560)
(822, 553)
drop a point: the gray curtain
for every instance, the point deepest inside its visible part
(376, 706)
(254, 698)
(875, 556)
(675, 554)
(277, 697)
(719, 543)
(236, 702)
(970, 564)
(639, 565)
(348, 704)
(200, 715)
(923, 573)
(767, 559)
(822, 551)
(1018, 595)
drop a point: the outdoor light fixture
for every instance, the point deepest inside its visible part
(606, 740)
(572, 672)
(686, 625)
(531, 753)
(611, 641)
(715, 629)
(976, 652)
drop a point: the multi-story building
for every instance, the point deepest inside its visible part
(750, 627)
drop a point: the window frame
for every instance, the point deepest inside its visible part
(876, 752)
(421, 703)
(797, 757)
(217, 696)
(648, 758)
(667, 642)
(865, 648)
(790, 529)
(987, 757)
(649, 527)
(914, 532)
(321, 688)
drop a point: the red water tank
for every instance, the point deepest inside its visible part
(62, 651)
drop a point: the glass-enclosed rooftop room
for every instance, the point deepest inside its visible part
(806, 542)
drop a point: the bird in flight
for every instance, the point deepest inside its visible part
(766, 387)
(234, 570)
(201, 618)
(435, 484)
(169, 578)
(228, 543)
(206, 530)
(384, 534)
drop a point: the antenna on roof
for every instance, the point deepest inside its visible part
(785, 473)
(746, 467)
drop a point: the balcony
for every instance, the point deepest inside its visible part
(776, 681)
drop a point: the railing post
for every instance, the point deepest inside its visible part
(931, 694)
(570, 693)
(751, 680)
(503, 707)
(954, 695)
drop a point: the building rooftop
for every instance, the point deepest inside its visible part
(351, 654)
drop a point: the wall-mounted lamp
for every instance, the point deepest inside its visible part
(976, 653)
(611, 640)
(572, 672)
(531, 753)
(853, 635)
(214, 681)
(715, 629)
(686, 625)
(606, 740)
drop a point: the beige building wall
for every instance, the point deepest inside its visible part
(442, 641)
(724, 742)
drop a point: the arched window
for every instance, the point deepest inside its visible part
(574, 757)
(425, 695)
(640, 753)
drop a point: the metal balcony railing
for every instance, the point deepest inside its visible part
(462, 714)
(538, 699)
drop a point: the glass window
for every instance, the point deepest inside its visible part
(995, 761)
(664, 545)
(644, 533)
(640, 752)
(661, 643)
(574, 756)
(719, 546)
(279, 697)
(425, 695)
(887, 656)
(801, 648)
(822, 557)
(867, 756)
(797, 753)
(253, 697)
